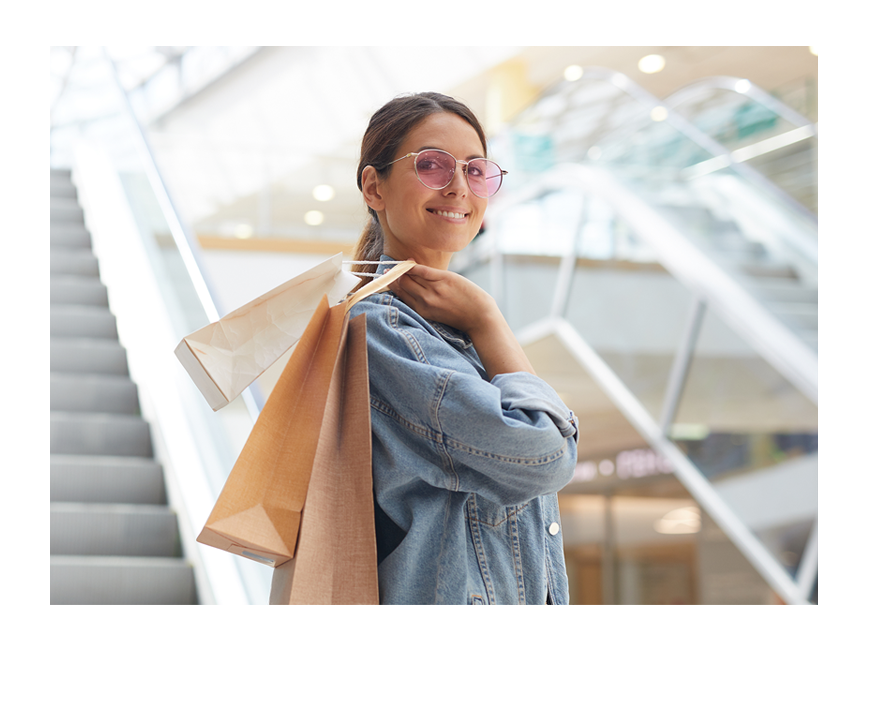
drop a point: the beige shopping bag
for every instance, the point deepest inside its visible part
(225, 357)
(309, 452)
(336, 558)
(259, 508)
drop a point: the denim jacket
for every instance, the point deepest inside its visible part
(465, 469)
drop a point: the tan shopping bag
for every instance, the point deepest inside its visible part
(336, 558)
(259, 508)
(226, 356)
(313, 434)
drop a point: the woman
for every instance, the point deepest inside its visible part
(469, 446)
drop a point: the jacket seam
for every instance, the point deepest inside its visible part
(513, 511)
(412, 343)
(517, 558)
(441, 444)
(378, 405)
(473, 524)
(524, 461)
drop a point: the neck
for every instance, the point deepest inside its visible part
(430, 258)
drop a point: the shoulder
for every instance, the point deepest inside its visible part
(388, 315)
(397, 330)
(394, 329)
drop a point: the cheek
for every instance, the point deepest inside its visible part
(480, 212)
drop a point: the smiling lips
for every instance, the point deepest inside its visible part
(448, 215)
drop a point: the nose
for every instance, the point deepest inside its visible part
(459, 183)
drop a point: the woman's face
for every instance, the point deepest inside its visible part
(429, 225)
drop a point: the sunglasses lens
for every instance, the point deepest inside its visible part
(435, 168)
(484, 177)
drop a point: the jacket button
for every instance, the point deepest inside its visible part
(554, 528)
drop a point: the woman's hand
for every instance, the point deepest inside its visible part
(448, 298)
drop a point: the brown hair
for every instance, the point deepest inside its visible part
(385, 132)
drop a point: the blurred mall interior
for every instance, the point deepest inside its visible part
(654, 248)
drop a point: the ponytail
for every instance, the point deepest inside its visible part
(369, 246)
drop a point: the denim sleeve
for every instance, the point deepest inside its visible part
(510, 439)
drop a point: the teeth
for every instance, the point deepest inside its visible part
(451, 215)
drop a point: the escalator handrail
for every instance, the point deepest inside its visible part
(752, 91)
(182, 235)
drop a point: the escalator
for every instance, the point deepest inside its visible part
(114, 537)
(683, 283)
(138, 457)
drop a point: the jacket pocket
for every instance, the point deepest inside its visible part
(482, 510)
(476, 600)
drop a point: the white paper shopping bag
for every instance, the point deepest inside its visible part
(226, 356)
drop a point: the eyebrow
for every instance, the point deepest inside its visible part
(437, 148)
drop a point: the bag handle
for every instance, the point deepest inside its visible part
(380, 283)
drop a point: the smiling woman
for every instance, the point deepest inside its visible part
(417, 221)
(469, 447)
(396, 125)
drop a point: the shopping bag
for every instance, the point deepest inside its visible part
(258, 513)
(226, 356)
(335, 562)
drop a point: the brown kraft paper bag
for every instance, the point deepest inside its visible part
(336, 558)
(258, 511)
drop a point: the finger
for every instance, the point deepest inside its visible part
(426, 273)
(410, 282)
(404, 288)
(412, 301)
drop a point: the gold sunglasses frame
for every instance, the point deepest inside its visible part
(415, 154)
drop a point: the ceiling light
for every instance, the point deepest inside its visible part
(651, 64)
(323, 193)
(743, 86)
(314, 217)
(243, 231)
(573, 73)
(813, 49)
(659, 113)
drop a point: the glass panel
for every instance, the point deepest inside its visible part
(183, 305)
(755, 436)
(561, 126)
(478, 272)
(529, 287)
(733, 119)
(544, 226)
(633, 315)
(742, 124)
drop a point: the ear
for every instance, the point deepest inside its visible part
(371, 189)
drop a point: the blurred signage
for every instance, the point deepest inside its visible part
(631, 464)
